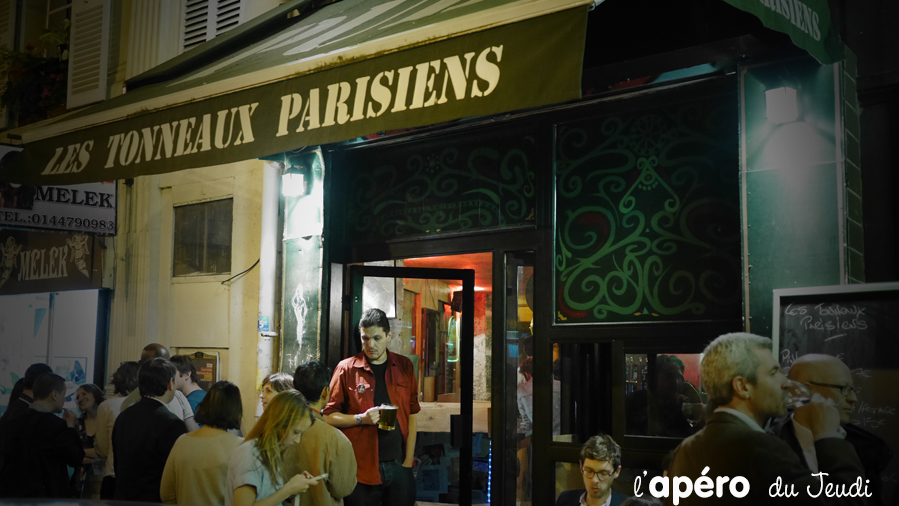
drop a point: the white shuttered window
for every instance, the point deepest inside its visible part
(203, 20)
(88, 52)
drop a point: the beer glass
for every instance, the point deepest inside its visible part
(388, 417)
(796, 395)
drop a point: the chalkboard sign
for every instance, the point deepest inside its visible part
(859, 324)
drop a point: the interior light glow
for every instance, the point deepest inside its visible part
(781, 105)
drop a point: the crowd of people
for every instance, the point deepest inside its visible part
(161, 438)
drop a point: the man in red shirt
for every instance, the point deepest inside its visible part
(360, 385)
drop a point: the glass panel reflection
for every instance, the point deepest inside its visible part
(577, 380)
(662, 395)
(519, 351)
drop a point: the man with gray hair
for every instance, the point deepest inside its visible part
(745, 383)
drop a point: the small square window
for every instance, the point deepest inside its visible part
(202, 244)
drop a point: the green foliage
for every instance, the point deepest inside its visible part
(36, 83)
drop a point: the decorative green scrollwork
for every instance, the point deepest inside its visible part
(648, 221)
(449, 184)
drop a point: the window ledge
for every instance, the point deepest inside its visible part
(200, 278)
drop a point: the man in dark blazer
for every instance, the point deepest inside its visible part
(41, 445)
(600, 464)
(831, 378)
(144, 434)
(744, 380)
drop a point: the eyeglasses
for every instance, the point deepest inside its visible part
(844, 389)
(602, 475)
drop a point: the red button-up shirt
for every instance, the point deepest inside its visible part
(353, 392)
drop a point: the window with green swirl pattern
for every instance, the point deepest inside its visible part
(647, 215)
(477, 180)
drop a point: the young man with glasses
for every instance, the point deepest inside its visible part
(831, 378)
(600, 464)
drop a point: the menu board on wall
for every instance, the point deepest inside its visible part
(88, 208)
(207, 369)
(859, 324)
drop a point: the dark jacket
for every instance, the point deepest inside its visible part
(38, 448)
(873, 452)
(573, 498)
(731, 448)
(16, 408)
(142, 438)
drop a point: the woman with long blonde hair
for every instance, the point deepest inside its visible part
(255, 471)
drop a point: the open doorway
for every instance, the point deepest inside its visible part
(428, 317)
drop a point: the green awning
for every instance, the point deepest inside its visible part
(349, 69)
(807, 22)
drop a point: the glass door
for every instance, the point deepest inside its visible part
(518, 356)
(432, 323)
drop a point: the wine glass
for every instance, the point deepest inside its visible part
(796, 395)
(693, 412)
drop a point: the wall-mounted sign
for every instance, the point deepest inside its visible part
(32, 262)
(207, 369)
(88, 208)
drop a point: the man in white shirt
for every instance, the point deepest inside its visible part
(742, 378)
(174, 400)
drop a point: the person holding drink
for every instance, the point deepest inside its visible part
(372, 395)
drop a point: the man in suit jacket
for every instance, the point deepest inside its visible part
(600, 464)
(144, 434)
(744, 380)
(324, 448)
(831, 378)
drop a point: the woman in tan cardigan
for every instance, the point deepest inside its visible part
(197, 467)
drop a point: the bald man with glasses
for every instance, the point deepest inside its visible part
(600, 464)
(831, 378)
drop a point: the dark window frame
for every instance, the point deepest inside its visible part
(205, 241)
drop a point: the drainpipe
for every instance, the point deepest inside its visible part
(268, 260)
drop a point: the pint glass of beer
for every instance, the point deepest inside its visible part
(388, 417)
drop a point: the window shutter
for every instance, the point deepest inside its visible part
(88, 52)
(196, 21)
(203, 20)
(227, 15)
(7, 41)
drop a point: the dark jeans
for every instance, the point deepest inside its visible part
(397, 488)
(107, 488)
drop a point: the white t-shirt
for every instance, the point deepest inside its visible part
(246, 469)
(179, 405)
